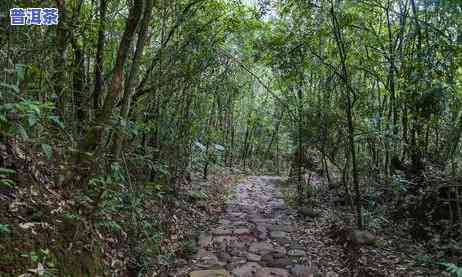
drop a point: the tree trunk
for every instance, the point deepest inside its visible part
(99, 59)
(78, 79)
(95, 135)
(349, 111)
(60, 59)
(130, 83)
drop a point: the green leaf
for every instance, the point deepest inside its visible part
(7, 171)
(4, 228)
(13, 87)
(452, 268)
(200, 145)
(56, 120)
(20, 72)
(23, 132)
(32, 120)
(48, 150)
(6, 182)
(219, 147)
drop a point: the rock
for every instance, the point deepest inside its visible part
(235, 262)
(302, 271)
(247, 270)
(279, 252)
(257, 219)
(207, 259)
(285, 228)
(224, 256)
(261, 248)
(280, 236)
(181, 262)
(296, 253)
(281, 262)
(202, 204)
(269, 271)
(262, 233)
(204, 240)
(210, 273)
(262, 236)
(331, 274)
(223, 239)
(309, 212)
(237, 245)
(240, 224)
(242, 231)
(363, 238)
(222, 231)
(340, 201)
(236, 215)
(253, 257)
(224, 222)
(237, 252)
(271, 261)
(246, 238)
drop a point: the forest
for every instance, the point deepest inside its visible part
(202, 138)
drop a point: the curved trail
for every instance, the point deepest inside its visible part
(253, 237)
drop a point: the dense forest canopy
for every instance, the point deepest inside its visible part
(123, 103)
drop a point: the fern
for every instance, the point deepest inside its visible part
(452, 268)
(5, 179)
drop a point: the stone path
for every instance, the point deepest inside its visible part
(253, 238)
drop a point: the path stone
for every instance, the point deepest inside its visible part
(222, 231)
(279, 235)
(302, 271)
(207, 259)
(224, 256)
(331, 274)
(296, 253)
(204, 240)
(220, 239)
(235, 262)
(247, 270)
(210, 273)
(270, 260)
(262, 232)
(268, 271)
(224, 222)
(240, 224)
(261, 247)
(284, 228)
(241, 231)
(253, 257)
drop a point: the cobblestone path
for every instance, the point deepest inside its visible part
(253, 237)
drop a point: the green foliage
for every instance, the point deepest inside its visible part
(399, 184)
(47, 150)
(425, 260)
(44, 261)
(198, 195)
(5, 177)
(188, 247)
(373, 220)
(452, 268)
(129, 128)
(4, 229)
(22, 117)
(157, 188)
(111, 225)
